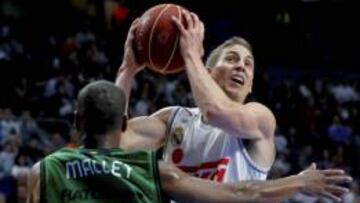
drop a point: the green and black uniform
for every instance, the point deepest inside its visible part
(99, 176)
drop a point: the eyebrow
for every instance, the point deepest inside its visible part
(232, 52)
(236, 53)
(250, 57)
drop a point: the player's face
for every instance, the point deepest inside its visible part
(234, 72)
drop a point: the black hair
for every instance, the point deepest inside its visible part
(100, 108)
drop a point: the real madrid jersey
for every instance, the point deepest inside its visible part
(208, 152)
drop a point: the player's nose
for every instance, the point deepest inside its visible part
(239, 66)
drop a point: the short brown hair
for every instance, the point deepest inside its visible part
(215, 54)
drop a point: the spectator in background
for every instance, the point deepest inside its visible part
(281, 142)
(10, 124)
(326, 160)
(344, 92)
(59, 83)
(7, 157)
(57, 141)
(29, 127)
(7, 160)
(338, 132)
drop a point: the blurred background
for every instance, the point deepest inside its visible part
(307, 72)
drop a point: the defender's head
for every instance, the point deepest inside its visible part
(232, 67)
(100, 109)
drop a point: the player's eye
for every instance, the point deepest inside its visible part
(248, 63)
(231, 58)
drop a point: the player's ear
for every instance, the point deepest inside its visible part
(124, 123)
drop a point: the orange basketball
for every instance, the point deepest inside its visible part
(157, 39)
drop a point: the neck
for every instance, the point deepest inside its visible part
(237, 98)
(101, 142)
(241, 100)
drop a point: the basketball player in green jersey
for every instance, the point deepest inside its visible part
(100, 172)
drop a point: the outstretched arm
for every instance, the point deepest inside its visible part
(182, 187)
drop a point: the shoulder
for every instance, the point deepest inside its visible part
(265, 117)
(57, 155)
(167, 114)
(161, 116)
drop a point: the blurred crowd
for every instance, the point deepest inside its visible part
(318, 117)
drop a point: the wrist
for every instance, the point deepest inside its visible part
(300, 182)
(193, 60)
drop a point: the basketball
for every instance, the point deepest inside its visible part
(157, 39)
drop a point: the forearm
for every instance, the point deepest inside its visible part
(201, 191)
(181, 187)
(206, 92)
(271, 190)
(124, 80)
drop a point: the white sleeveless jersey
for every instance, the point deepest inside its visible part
(206, 151)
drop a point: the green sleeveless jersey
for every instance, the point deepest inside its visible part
(99, 176)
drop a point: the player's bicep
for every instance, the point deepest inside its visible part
(154, 125)
(147, 126)
(250, 121)
(265, 119)
(148, 132)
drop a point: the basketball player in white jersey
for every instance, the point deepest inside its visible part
(223, 139)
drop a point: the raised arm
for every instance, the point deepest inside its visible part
(33, 184)
(250, 121)
(146, 132)
(129, 66)
(182, 187)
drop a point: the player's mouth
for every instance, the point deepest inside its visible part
(238, 79)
